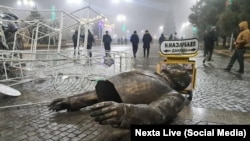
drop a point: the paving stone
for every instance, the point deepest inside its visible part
(215, 89)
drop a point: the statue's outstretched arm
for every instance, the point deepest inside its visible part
(122, 115)
(75, 102)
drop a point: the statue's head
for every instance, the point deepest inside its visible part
(177, 76)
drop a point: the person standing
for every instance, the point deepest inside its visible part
(240, 47)
(75, 40)
(146, 39)
(134, 39)
(205, 41)
(175, 36)
(90, 42)
(209, 40)
(161, 39)
(107, 41)
(171, 37)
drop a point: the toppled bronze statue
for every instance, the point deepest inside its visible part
(133, 97)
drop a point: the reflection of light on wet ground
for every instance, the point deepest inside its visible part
(199, 111)
(65, 77)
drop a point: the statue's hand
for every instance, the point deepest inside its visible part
(108, 112)
(60, 104)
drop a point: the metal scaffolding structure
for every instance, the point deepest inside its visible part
(31, 62)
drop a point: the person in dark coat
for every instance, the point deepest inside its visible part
(205, 40)
(161, 39)
(146, 39)
(90, 42)
(209, 40)
(134, 39)
(74, 39)
(171, 37)
(175, 36)
(107, 41)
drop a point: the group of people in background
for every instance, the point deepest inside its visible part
(90, 41)
(209, 43)
(146, 39)
(164, 37)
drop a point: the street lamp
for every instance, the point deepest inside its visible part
(121, 19)
(74, 1)
(31, 3)
(128, 0)
(115, 1)
(161, 28)
(26, 3)
(19, 2)
(188, 30)
(118, 1)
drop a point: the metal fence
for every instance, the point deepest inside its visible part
(51, 64)
(19, 65)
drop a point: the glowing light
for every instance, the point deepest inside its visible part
(121, 18)
(128, 0)
(53, 13)
(101, 23)
(124, 27)
(19, 2)
(184, 25)
(25, 2)
(118, 1)
(115, 1)
(74, 1)
(161, 28)
(31, 3)
(155, 37)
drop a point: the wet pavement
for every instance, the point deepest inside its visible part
(219, 98)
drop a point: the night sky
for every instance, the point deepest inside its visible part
(140, 14)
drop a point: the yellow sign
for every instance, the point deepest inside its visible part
(179, 52)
